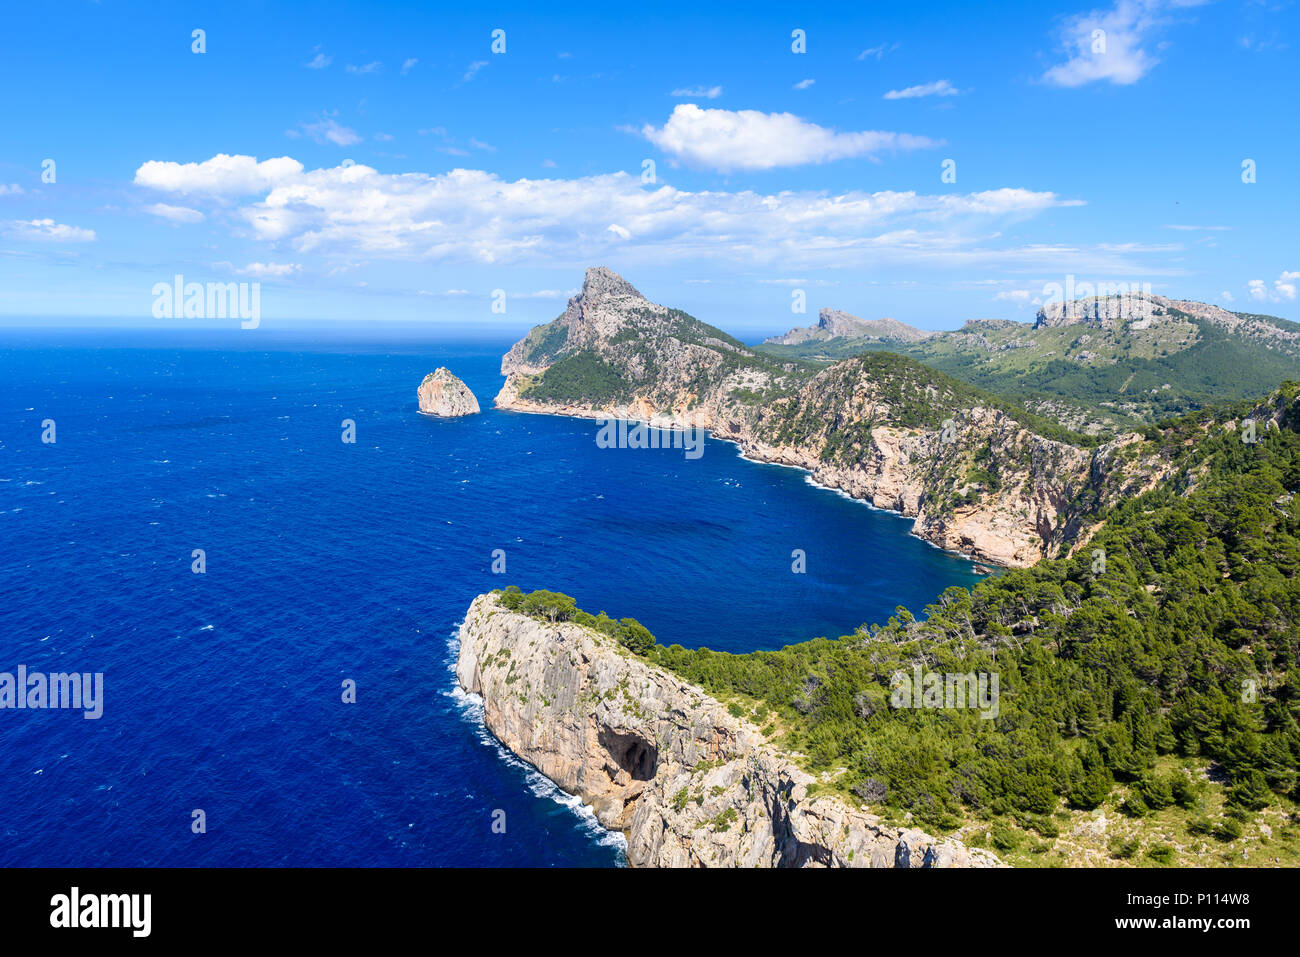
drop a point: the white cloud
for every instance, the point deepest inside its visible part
(1111, 44)
(472, 69)
(699, 92)
(1020, 297)
(367, 68)
(329, 130)
(269, 270)
(1283, 288)
(460, 216)
(937, 88)
(176, 214)
(804, 84)
(1199, 229)
(13, 189)
(408, 65)
(319, 62)
(46, 231)
(877, 52)
(545, 294)
(1226, 296)
(221, 175)
(727, 140)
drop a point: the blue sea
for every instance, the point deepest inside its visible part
(328, 562)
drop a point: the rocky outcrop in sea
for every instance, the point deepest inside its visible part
(443, 394)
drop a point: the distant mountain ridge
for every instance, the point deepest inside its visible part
(1100, 364)
(833, 324)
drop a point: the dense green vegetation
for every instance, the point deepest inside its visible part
(551, 606)
(578, 377)
(916, 395)
(543, 343)
(1183, 642)
(1167, 645)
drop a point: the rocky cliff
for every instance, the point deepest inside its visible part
(879, 427)
(661, 761)
(443, 394)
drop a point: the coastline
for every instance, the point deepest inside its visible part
(473, 710)
(751, 454)
(686, 781)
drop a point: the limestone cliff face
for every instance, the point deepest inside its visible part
(661, 761)
(983, 485)
(902, 470)
(443, 394)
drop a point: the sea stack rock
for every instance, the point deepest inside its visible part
(441, 393)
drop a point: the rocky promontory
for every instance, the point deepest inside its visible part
(663, 762)
(443, 394)
(881, 427)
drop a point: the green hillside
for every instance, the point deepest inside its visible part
(1099, 380)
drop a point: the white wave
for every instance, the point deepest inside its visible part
(471, 709)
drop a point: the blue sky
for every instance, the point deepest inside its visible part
(382, 162)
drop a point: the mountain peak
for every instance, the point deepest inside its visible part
(602, 281)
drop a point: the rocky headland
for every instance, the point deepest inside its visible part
(976, 477)
(687, 783)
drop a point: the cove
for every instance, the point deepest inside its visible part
(328, 562)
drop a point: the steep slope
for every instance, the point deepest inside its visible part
(980, 476)
(688, 783)
(613, 350)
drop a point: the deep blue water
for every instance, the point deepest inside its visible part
(328, 561)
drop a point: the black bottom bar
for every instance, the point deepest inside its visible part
(340, 906)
